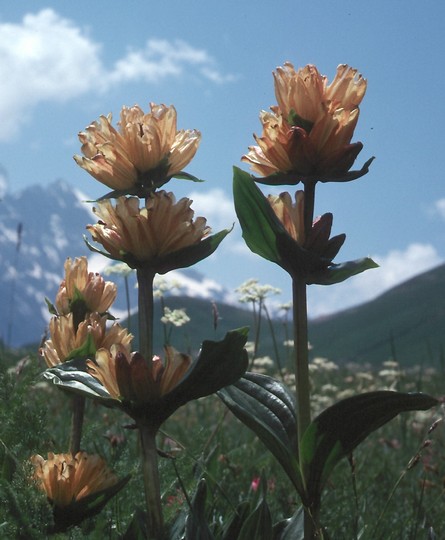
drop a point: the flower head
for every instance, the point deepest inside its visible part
(67, 480)
(128, 377)
(291, 215)
(67, 341)
(150, 391)
(308, 135)
(306, 251)
(147, 236)
(145, 151)
(79, 285)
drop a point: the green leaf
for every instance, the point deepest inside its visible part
(182, 258)
(296, 120)
(8, 463)
(336, 273)
(264, 233)
(196, 525)
(86, 349)
(259, 524)
(292, 528)
(234, 524)
(267, 407)
(189, 255)
(259, 224)
(72, 376)
(182, 175)
(137, 530)
(339, 429)
(219, 364)
(51, 307)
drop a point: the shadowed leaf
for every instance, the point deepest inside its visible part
(267, 407)
(339, 429)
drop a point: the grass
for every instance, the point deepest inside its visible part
(376, 498)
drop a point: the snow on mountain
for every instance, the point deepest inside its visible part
(39, 228)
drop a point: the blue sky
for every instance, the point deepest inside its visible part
(63, 64)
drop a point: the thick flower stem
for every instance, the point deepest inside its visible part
(301, 355)
(303, 411)
(145, 312)
(78, 409)
(299, 297)
(150, 472)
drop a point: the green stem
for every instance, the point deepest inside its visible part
(309, 205)
(149, 454)
(150, 472)
(299, 294)
(274, 341)
(78, 410)
(145, 278)
(127, 298)
(301, 355)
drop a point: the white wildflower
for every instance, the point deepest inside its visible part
(176, 317)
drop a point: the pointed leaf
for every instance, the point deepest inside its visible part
(182, 258)
(88, 348)
(196, 525)
(182, 175)
(292, 178)
(51, 307)
(266, 236)
(259, 524)
(259, 224)
(234, 524)
(339, 429)
(336, 273)
(267, 407)
(8, 463)
(73, 376)
(190, 255)
(292, 528)
(137, 530)
(219, 364)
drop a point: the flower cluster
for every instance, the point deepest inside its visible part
(66, 478)
(146, 236)
(79, 326)
(144, 152)
(128, 377)
(308, 134)
(76, 486)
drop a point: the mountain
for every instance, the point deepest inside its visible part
(39, 228)
(407, 322)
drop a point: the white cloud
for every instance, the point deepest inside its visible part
(396, 267)
(3, 182)
(47, 57)
(161, 59)
(216, 206)
(439, 208)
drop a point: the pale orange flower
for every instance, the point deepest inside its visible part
(146, 149)
(309, 133)
(66, 478)
(145, 235)
(96, 293)
(291, 215)
(305, 250)
(128, 377)
(65, 339)
(306, 92)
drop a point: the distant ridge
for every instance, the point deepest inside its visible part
(407, 321)
(50, 221)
